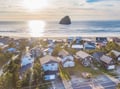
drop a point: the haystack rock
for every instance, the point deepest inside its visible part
(65, 20)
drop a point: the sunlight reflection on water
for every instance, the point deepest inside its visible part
(36, 28)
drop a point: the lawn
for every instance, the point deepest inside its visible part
(79, 68)
(102, 69)
(63, 73)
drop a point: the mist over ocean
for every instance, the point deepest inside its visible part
(53, 29)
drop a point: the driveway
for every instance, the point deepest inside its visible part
(80, 83)
(57, 84)
(105, 82)
(100, 82)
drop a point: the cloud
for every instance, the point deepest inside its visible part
(77, 8)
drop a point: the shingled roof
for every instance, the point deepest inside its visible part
(116, 53)
(106, 59)
(63, 53)
(82, 54)
(47, 59)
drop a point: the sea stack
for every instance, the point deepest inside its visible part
(65, 20)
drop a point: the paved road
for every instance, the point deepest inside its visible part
(57, 84)
(106, 82)
(101, 82)
(109, 85)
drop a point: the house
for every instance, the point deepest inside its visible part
(59, 41)
(50, 41)
(27, 59)
(51, 45)
(48, 51)
(97, 56)
(36, 52)
(66, 59)
(63, 53)
(70, 40)
(78, 40)
(89, 45)
(12, 50)
(117, 54)
(26, 63)
(107, 62)
(50, 67)
(85, 58)
(101, 41)
(77, 46)
(116, 40)
(3, 46)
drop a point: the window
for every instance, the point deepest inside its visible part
(52, 64)
(46, 65)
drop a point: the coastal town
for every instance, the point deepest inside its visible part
(60, 63)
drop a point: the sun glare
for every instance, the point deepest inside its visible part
(35, 4)
(36, 28)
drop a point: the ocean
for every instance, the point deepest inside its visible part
(40, 28)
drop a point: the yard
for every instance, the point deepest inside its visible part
(79, 69)
(103, 70)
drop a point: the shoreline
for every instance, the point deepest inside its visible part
(58, 36)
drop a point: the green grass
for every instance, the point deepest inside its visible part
(79, 68)
(63, 73)
(104, 70)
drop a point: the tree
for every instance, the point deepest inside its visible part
(13, 69)
(37, 73)
(6, 81)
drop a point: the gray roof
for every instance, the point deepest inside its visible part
(97, 55)
(47, 59)
(116, 53)
(82, 54)
(63, 53)
(68, 58)
(106, 59)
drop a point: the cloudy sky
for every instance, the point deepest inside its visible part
(55, 9)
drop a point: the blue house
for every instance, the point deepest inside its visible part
(50, 67)
(12, 50)
(78, 40)
(26, 63)
(27, 59)
(70, 40)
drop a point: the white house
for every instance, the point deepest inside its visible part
(77, 46)
(107, 62)
(84, 57)
(117, 54)
(66, 59)
(50, 66)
